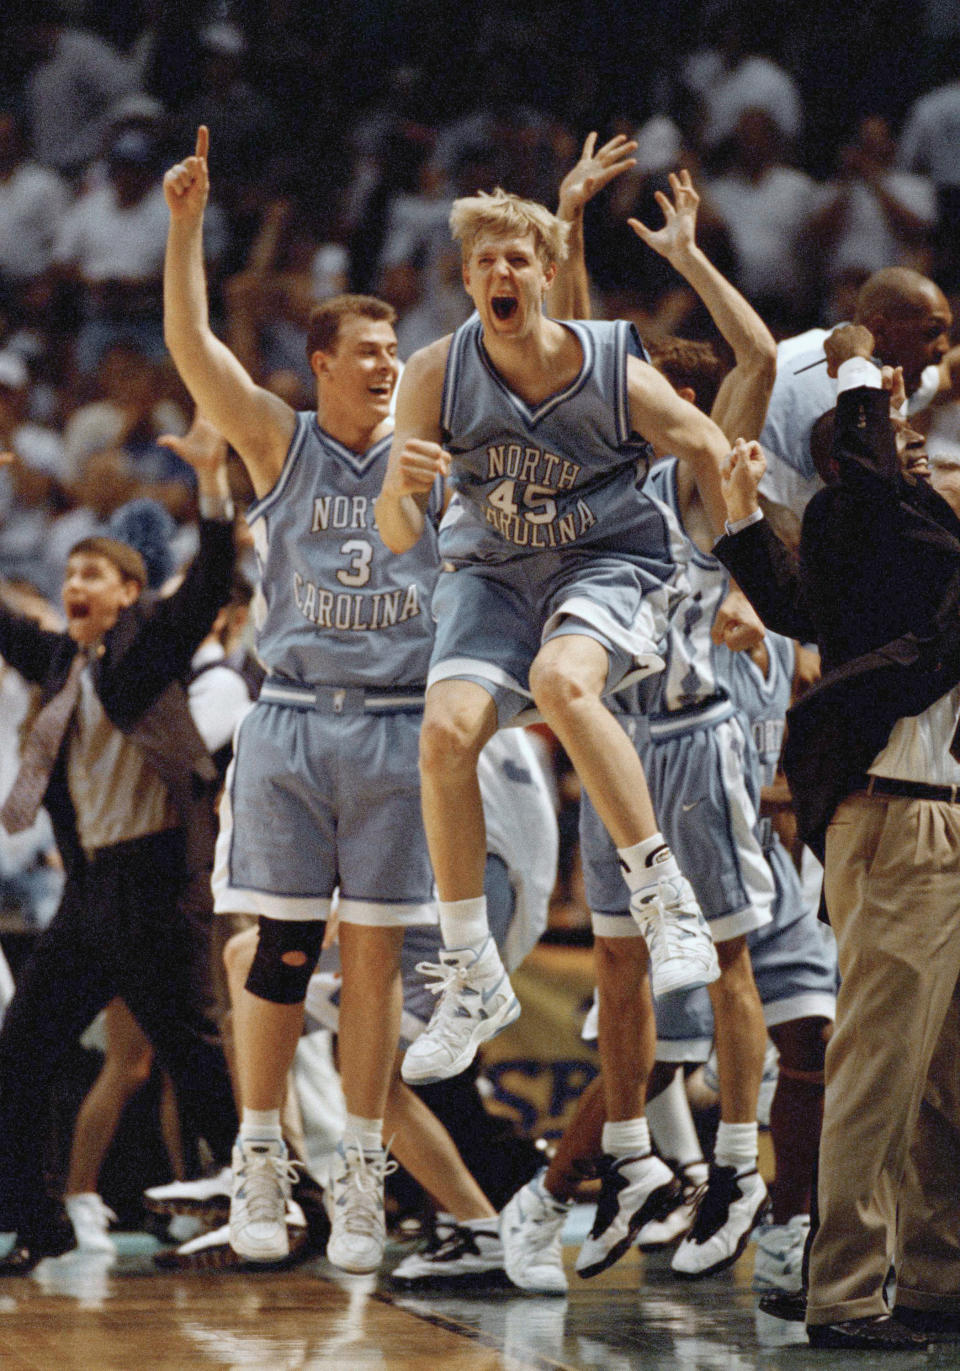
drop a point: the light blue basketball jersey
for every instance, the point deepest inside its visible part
(692, 674)
(763, 701)
(336, 606)
(562, 474)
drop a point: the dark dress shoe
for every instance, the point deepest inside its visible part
(882, 1332)
(20, 1260)
(790, 1305)
(934, 1324)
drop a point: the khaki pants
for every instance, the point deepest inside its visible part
(890, 1149)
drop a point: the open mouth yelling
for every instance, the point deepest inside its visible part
(504, 306)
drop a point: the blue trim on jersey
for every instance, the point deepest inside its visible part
(532, 417)
(258, 508)
(680, 721)
(621, 399)
(358, 462)
(450, 373)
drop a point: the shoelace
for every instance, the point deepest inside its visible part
(262, 1173)
(713, 1202)
(446, 977)
(445, 974)
(362, 1187)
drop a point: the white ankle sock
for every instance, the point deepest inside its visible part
(367, 1134)
(463, 923)
(626, 1138)
(672, 1126)
(261, 1125)
(646, 862)
(736, 1145)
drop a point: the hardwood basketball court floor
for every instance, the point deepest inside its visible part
(80, 1314)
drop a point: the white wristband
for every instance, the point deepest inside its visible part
(858, 371)
(736, 525)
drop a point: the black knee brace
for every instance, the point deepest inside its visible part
(270, 977)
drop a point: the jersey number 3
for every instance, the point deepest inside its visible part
(360, 553)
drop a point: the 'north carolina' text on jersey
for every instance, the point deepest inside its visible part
(558, 474)
(336, 607)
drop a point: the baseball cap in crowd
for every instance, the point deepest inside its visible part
(222, 38)
(133, 148)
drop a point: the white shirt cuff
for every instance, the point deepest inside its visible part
(738, 524)
(858, 371)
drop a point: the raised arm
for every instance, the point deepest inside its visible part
(258, 424)
(677, 428)
(761, 563)
(416, 457)
(741, 405)
(569, 296)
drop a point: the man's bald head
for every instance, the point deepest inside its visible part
(909, 317)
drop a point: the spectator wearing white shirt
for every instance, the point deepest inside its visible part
(112, 242)
(33, 200)
(76, 77)
(930, 145)
(876, 216)
(765, 205)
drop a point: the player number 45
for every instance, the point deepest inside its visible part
(539, 505)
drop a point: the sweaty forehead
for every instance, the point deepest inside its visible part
(92, 564)
(504, 242)
(357, 331)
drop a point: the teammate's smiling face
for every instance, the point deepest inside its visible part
(360, 373)
(507, 282)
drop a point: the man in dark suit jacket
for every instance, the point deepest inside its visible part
(876, 785)
(131, 799)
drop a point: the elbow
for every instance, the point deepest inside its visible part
(764, 361)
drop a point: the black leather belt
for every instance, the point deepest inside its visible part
(914, 790)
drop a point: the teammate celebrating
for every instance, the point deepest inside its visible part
(565, 577)
(323, 790)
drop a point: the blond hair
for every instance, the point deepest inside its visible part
(502, 215)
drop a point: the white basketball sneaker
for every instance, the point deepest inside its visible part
(91, 1220)
(354, 1202)
(778, 1263)
(633, 1191)
(531, 1229)
(262, 1178)
(730, 1207)
(682, 954)
(476, 1003)
(461, 1254)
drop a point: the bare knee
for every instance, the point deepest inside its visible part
(620, 961)
(451, 740)
(736, 985)
(559, 687)
(238, 952)
(802, 1045)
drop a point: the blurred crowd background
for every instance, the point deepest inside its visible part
(824, 139)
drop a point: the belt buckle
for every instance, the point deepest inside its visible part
(339, 697)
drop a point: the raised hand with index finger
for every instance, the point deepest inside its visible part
(187, 184)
